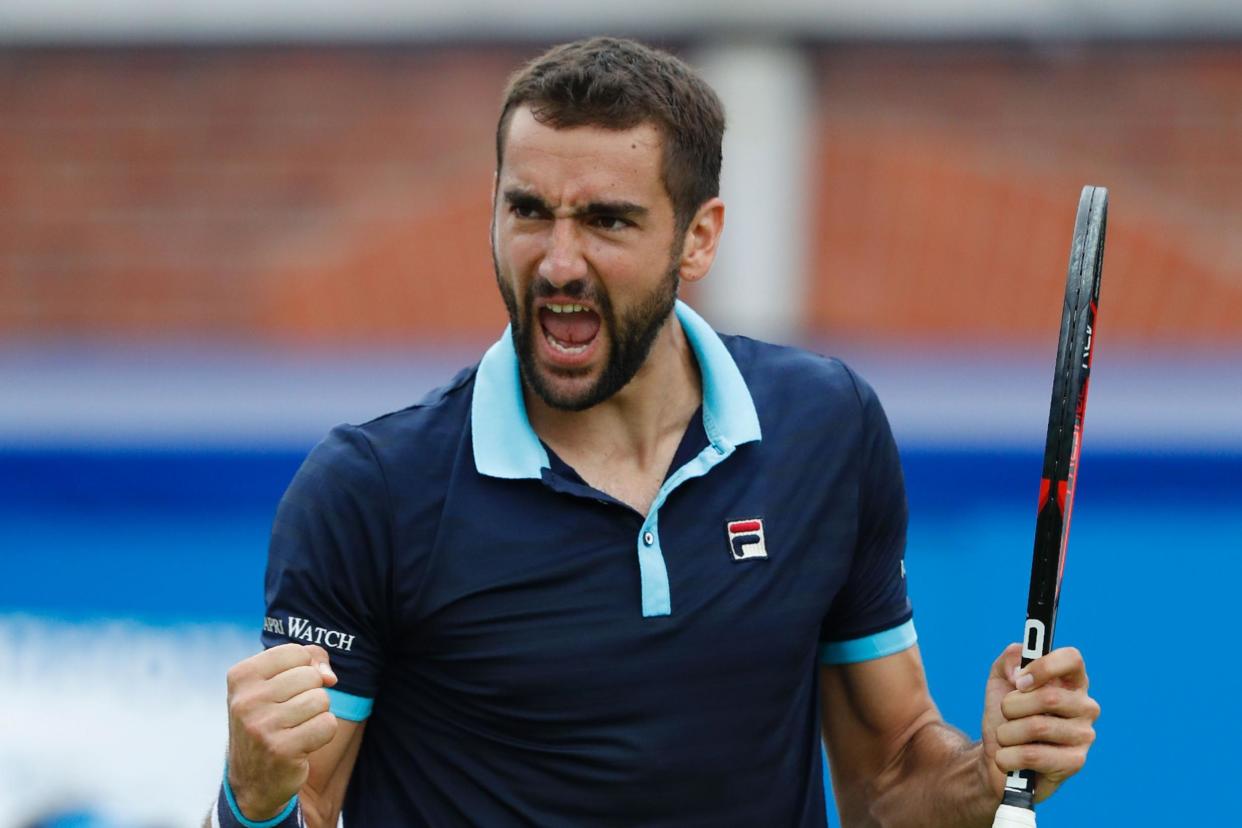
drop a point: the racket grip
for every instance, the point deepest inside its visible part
(1011, 816)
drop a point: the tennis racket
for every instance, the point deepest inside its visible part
(1056, 490)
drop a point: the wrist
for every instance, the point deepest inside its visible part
(991, 777)
(990, 782)
(235, 812)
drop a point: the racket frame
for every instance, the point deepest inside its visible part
(1072, 376)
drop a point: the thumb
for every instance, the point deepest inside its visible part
(1005, 665)
(319, 658)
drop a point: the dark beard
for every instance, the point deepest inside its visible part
(629, 342)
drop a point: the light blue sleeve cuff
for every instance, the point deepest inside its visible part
(349, 707)
(250, 823)
(868, 647)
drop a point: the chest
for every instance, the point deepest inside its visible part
(536, 602)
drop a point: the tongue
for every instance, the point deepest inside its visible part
(570, 328)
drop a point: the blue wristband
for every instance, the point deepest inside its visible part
(228, 815)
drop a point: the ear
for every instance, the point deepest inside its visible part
(698, 248)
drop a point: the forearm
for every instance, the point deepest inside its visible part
(320, 809)
(938, 780)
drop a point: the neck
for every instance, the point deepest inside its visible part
(635, 424)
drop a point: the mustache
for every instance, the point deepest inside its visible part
(541, 288)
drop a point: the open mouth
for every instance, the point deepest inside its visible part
(568, 328)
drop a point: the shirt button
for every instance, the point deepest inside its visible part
(648, 538)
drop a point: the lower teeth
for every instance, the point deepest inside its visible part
(564, 349)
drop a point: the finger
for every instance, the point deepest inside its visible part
(278, 659)
(1046, 730)
(1065, 663)
(292, 682)
(1050, 700)
(322, 662)
(1055, 761)
(311, 735)
(301, 708)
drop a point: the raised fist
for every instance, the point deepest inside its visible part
(278, 716)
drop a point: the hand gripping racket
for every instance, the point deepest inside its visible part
(1056, 490)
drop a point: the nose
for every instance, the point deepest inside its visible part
(563, 261)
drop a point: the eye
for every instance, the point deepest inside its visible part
(611, 223)
(526, 211)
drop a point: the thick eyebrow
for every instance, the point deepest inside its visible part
(518, 197)
(620, 209)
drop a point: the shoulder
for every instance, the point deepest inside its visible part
(797, 380)
(416, 437)
(425, 426)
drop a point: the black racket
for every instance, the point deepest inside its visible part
(1056, 490)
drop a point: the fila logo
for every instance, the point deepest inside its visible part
(746, 539)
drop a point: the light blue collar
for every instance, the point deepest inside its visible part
(506, 446)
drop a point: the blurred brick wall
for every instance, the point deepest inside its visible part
(298, 194)
(341, 194)
(949, 180)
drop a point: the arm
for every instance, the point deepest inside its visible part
(327, 572)
(331, 767)
(895, 762)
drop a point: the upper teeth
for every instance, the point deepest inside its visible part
(565, 308)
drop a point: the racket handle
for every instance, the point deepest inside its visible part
(1011, 816)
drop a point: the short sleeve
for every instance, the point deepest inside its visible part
(328, 563)
(871, 616)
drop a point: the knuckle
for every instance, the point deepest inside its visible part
(255, 731)
(320, 701)
(275, 745)
(1050, 698)
(302, 675)
(236, 675)
(1029, 755)
(1040, 729)
(320, 731)
(1005, 735)
(241, 703)
(272, 738)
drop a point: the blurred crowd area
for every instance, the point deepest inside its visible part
(329, 194)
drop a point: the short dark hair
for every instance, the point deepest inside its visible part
(618, 84)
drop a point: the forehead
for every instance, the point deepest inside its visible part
(582, 162)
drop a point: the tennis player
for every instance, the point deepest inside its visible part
(625, 570)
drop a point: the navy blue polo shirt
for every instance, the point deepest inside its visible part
(530, 651)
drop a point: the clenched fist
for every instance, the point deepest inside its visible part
(278, 716)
